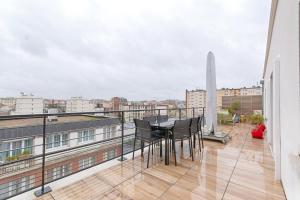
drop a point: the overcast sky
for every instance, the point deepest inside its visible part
(139, 49)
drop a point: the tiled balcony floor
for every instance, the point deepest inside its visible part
(242, 169)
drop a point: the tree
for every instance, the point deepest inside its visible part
(234, 107)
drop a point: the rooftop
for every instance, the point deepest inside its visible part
(243, 169)
(39, 121)
(20, 128)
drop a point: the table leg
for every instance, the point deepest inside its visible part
(166, 147)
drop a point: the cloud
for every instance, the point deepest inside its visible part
(136, 49)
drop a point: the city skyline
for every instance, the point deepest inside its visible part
(110, 98)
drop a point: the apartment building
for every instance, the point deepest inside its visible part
(252, 91)
(248, 104)
(282, 94)
(59, 104)
(226, 92)
(8, 101)
(28, 104)
(118, 102)
(193, 99)
(148, 110)
(23, 139)
(225, 96)
(78, 104)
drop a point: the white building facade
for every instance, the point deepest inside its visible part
(253, 91)
(281, 94)
(28, 104)
(195, 99)
(78, 104)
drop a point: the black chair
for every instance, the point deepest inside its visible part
(151, 119)
(181, 131)
(162, 118)
(144, 133)
(195, 131)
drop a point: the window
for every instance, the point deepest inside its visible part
(58, 172)
(87, 162)
(16, 186)
(109, 154)
(13, 149)
(28, 145)
(65, 138)
(106, 133)
(16, 148)
(57, 140)
(86, 135)
(113, 131)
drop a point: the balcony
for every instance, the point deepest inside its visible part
(241, 169)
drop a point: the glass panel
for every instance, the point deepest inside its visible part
(6, 150)
(49, 142)
(80, 136)
(92, 134)
(16, 148)
(85, 135)
(56, 140)
(4, 190)
(28, 146)
(65, 139)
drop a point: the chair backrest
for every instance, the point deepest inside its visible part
(151, 119)
(195, 125)
(162, 118)
(182, 128)
(142, 127)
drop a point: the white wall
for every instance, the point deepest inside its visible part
(285, 50)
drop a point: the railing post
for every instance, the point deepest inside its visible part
(122, 136)
(44, 189)
(179, 113)
(158, 119)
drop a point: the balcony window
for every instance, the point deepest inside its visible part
(57, 140)
(86, 135)
(11, 150)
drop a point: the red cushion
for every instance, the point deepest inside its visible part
(262, 127)
(257, 134)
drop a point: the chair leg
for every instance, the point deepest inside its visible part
(194, 140)
(191, 148)
(152, 148)
(202, 139)
(199, 142)
(133, 149)
(160, 148)
(181, 142)
(142, 148)
(149, 154)
(174, 150)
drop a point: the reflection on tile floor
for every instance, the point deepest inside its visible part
(241, 169)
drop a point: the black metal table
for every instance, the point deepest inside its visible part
(166, 127)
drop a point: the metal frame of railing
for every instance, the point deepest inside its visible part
(120, 115)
